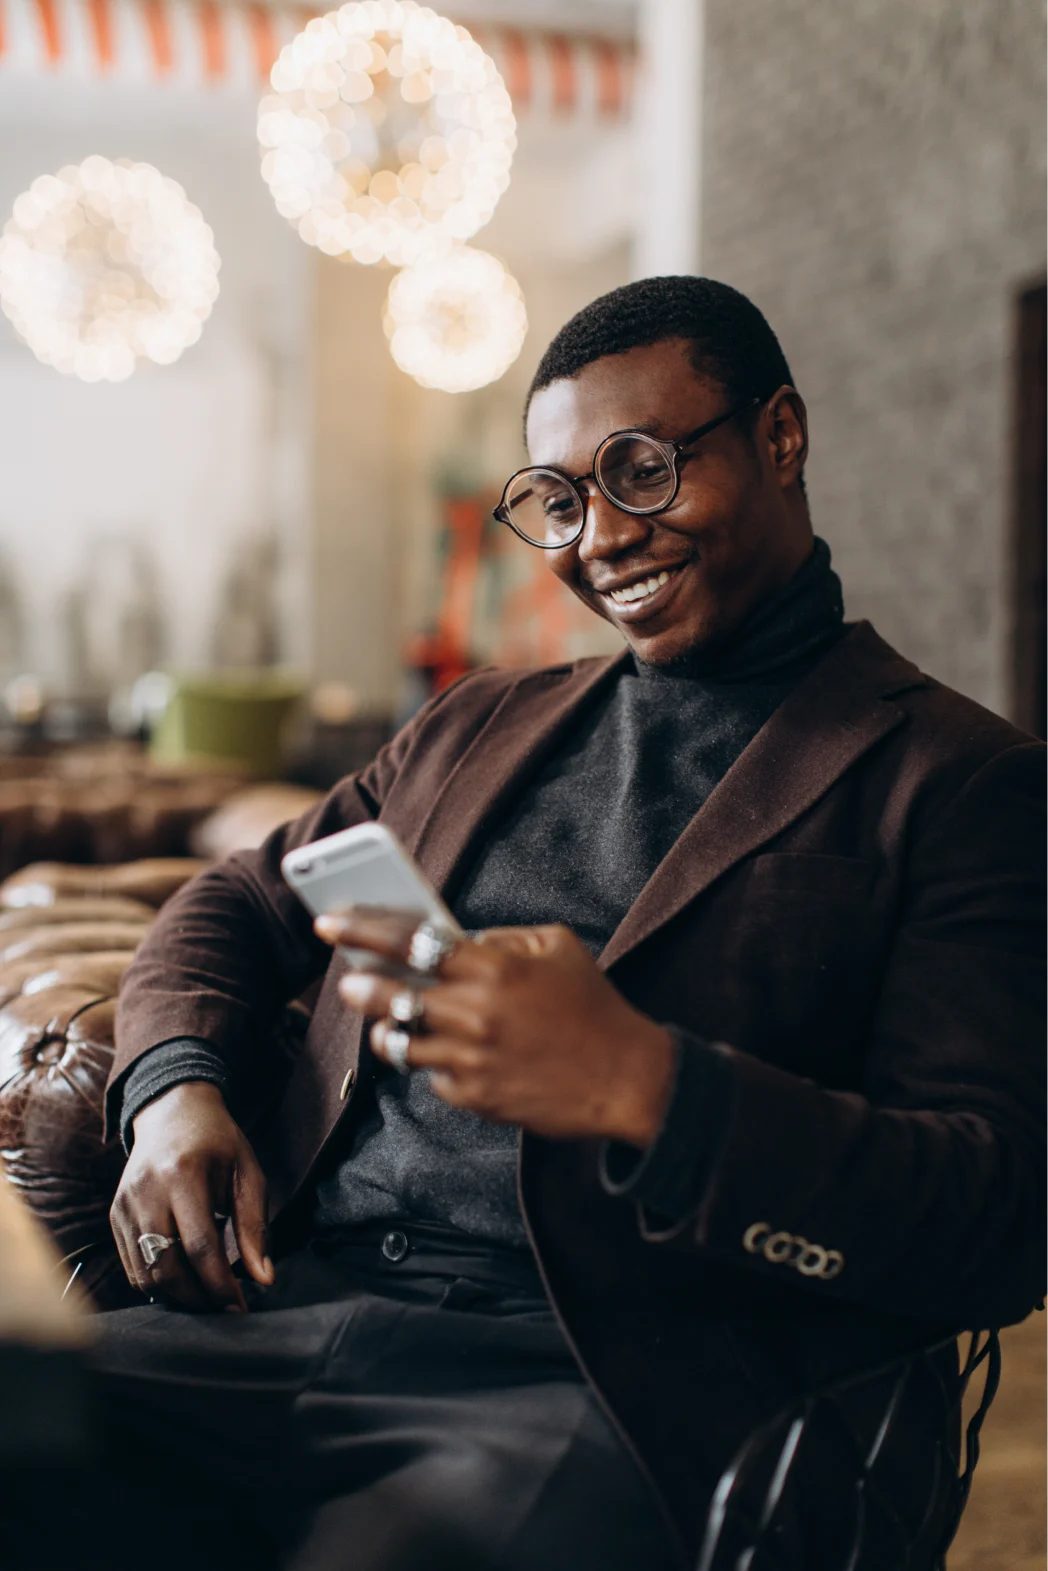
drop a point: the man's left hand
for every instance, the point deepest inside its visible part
(521, 1027)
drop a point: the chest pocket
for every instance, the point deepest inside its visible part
(785, 874)
(805, 954)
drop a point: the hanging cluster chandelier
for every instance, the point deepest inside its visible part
(388, 137)
(106, 264)
(455, 322)
(389, 133)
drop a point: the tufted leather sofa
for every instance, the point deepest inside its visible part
(67, 935)
(103, 803)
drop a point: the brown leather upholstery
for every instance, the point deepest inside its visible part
(101, 970)
(246, 819)
(67, 934)
(151, 881)
(102, 804)
(71, 938)
(56, 1048)
(106, 908)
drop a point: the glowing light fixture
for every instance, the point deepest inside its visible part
(389, 133)
(106, 264)
(455, 322)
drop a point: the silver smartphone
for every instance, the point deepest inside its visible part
(365, 866)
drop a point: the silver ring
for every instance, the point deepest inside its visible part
(151, 1246)
(396, 1044)
(430, 945)
(407, 1006)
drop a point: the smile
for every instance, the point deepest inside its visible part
(642, 595)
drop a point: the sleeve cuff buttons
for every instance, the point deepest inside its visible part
(789, 1249)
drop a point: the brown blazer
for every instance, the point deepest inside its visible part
(857, 910)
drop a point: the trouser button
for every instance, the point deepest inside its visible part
(395, 1245)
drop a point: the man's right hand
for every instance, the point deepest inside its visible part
(191, 1165)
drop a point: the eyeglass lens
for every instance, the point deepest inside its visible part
(545, 509)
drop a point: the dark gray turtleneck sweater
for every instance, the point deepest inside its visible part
(576, 846)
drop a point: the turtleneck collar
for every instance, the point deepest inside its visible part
(792, 626)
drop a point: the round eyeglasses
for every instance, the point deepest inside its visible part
(637, 472)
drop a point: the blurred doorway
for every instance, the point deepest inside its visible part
(1029, 696)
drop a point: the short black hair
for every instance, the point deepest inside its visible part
(730, 340)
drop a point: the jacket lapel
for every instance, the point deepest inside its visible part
(528, 722)
(831, 719)
(834, 716)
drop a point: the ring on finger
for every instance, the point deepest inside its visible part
(408, 1007)
(430, 946)
(396, 1045)
(152, 1245)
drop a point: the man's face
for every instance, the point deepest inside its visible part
(737, 529)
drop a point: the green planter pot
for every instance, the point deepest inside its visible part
(235, 719)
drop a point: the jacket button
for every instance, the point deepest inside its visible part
(347, 1084)
(395, 1245)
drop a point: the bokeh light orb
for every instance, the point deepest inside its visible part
(455, 322)
(103, 265)
(389, 133)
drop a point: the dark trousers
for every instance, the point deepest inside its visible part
(365, 1416)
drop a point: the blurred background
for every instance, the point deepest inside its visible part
(257, 400)
(283, 498)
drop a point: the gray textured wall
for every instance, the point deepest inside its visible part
(874, 179)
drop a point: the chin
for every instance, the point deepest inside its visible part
(675, 646)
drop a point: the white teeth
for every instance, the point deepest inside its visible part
(639, 591)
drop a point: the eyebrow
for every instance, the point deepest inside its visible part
(645, 427)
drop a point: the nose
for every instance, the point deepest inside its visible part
(608, 531)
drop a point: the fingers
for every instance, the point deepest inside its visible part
(383, 932)
(534, 942)
(369, 994)
(461, 1009)
(194, 1270)
(170, 1276)
(448, 1054)
(122, 1249)
(388, 934)
(249, 1217)
(191, 1162)
(201, 1240)
(134, 1268)
(460, 1072)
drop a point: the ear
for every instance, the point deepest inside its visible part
(786, 425)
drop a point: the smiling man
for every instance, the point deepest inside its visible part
(734, 1087)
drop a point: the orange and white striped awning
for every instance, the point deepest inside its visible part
(202, 43)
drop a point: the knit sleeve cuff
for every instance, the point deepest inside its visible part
(166, 1065)
(669, 1179)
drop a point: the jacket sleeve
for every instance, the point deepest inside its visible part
(234, 945)
(669, 1179)
(925, 1192)
(167, 1065)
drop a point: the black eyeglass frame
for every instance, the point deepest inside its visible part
(673, 452)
